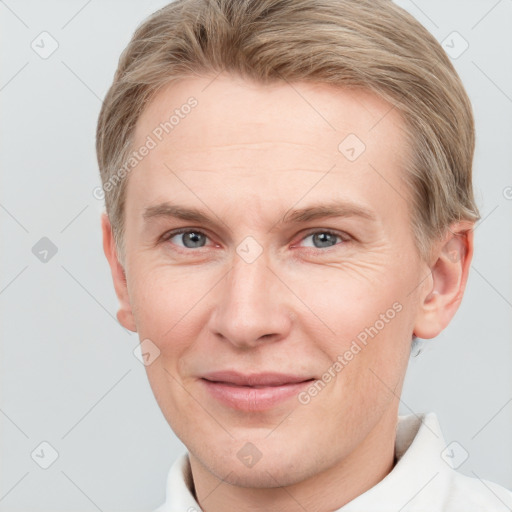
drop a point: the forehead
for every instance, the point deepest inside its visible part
(226, 103)
(282, 136)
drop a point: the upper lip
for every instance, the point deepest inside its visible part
(254, 379)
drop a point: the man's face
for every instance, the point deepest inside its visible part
(257, 290)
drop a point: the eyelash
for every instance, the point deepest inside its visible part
(343, 236)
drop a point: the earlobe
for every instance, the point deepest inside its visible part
(443, 292)
(124, 314)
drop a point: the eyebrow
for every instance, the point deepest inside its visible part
(293, 216)
(331, 209)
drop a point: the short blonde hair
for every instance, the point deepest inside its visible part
(370, 44)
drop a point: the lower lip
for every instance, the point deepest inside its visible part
(246, 398)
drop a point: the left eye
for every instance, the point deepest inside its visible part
(324, 239)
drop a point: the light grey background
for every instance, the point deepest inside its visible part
(68, 373)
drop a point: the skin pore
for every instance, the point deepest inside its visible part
(247, 156)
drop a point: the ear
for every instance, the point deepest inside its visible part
(124, 314)
(442, 294)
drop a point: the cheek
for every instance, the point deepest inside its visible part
(366, 330)
(379, 354)
(164, 298)
(348, 299)
(167, 308)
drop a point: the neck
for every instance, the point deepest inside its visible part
(326, 491)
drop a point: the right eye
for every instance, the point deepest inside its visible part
(190, 238)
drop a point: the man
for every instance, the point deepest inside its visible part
(289, 206)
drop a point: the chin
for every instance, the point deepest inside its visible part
(264, 476)
(274, 468)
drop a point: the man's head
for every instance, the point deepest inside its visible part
(258, 118)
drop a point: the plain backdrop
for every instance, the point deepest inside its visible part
(69, 376)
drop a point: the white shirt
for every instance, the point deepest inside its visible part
(422, 480)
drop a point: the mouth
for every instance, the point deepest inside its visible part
(256, 392)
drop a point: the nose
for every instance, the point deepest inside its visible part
(252, 305)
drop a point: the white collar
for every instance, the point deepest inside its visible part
(421, 480)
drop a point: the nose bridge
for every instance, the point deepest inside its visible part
(251, 303)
